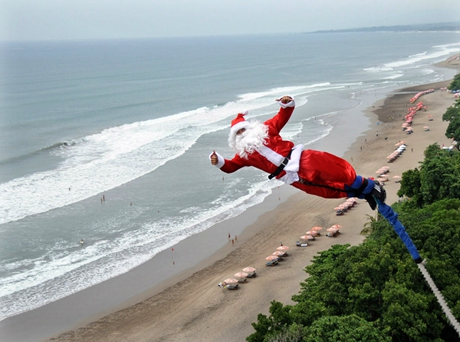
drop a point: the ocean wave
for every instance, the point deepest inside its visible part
(117, 155)
(437, 52)
(60, 273)
(47, 149)
(392, 77)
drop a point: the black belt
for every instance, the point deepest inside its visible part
(281, 167)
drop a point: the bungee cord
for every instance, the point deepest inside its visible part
(392, 217)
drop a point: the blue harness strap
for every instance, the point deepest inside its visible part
(392, 218)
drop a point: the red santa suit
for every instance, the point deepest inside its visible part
(315, 172)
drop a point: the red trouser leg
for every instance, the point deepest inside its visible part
(327, 174)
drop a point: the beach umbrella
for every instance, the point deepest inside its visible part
(312, 233)
(249, 269)
(350, 202)
(397, 178)
(279, 253)
(332, 229)
(317, 228)
(336, 226)
(241, 275)
(426, 128)
(271, 258)
(231, 281)
(306, 237)
(282, 248)
(343, 207)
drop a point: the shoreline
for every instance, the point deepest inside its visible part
(189, 302)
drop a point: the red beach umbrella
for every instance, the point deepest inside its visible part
(231, 281)
(249, 269)
(282, 248)
(241, 275)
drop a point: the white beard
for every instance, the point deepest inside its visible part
(251, 140)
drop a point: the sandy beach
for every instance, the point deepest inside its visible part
(189, 306)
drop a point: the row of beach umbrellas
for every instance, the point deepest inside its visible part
(280, 252)
(311, 234)
(383, 177)
(240, 277)
(416, 96)
(315, 231)
(345, 206)
(397, 153)
(382, 174)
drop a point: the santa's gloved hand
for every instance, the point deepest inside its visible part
(213, 157)
(216, 159)
(285, 99)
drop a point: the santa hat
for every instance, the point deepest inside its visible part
(239, 122)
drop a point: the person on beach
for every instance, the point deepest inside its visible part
(314, 172)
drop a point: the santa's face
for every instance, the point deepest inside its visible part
(249, 139)
(240, 131)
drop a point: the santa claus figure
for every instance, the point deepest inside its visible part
(318, 173)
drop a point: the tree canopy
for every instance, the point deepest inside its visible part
(455, 84)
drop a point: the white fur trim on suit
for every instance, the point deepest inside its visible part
(235, 128)
(291, 168)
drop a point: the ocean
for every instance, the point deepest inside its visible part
(108, 141)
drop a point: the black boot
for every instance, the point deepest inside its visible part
(378, 193)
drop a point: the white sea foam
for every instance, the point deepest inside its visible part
(49, 279)
(117, 155)
(438, 52)
(392, 77)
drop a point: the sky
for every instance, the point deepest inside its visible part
(121, 19)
